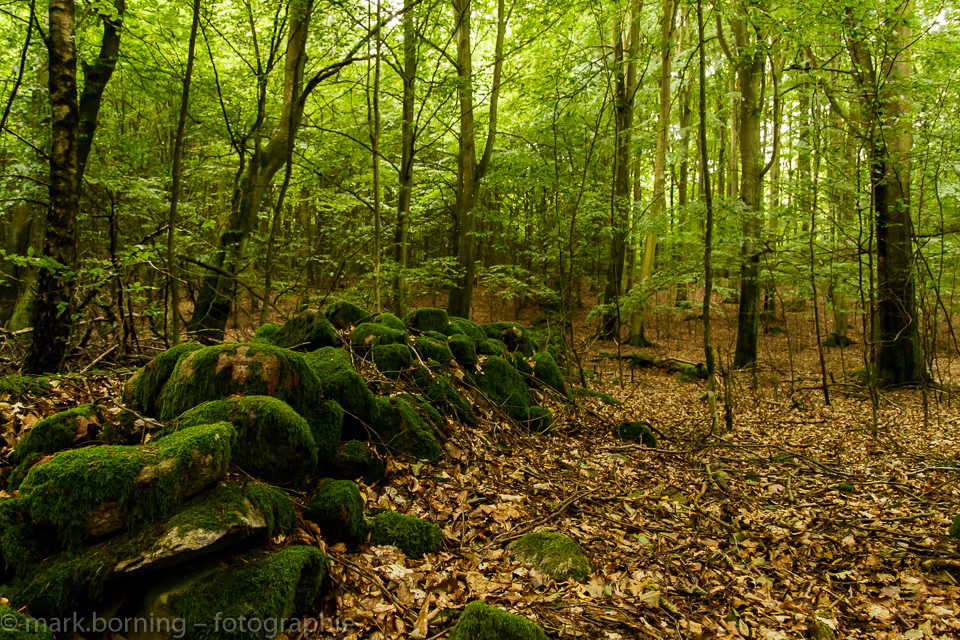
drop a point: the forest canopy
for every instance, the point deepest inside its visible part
(172, 167)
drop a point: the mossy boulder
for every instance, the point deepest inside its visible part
(309, 330)
(427, 319)
(538, 420)
(143, 392)
(17, 626)
(344, 315)
(503, 385)
(218, 372)
(556, 555)
(492, 347)
(413, 536)
(480, 621)
(400, 428)
(547, 372)
(275, 443)
(59, 431)
(253, 597)
(520, 363)
(353, 460)
(367, 335)
(340, 382)
(387, 319)
(100, 490)
(462, 326)
(224, 516)
(639, 432)
(512, 334)
(338, 511)
(393, 359)
(440, 393)
(432, 349)
(464, 350)
(267, 333)
(955, 528)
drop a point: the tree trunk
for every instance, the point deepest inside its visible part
(215, 300)
(408, 140)
(51, 316)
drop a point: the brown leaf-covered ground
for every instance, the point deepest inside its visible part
(805, 517)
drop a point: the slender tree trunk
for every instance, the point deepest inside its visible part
(408, 140)
(55, 286)
(172, 264)
(373, 122)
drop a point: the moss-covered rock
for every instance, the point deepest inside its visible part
(218, 372)
(432, 349)
(955, 528)
(275, 443)
(492, 347)
(267, 333)
(17, 626)
(340, 382)
(512, 334)
(556, 555)
(401, 429)
(21, 385)
(143, 392)
(446, 399)
(387, 319)
(480, 621)
(99, 490)
(427, 319)
(538, 420)
(503, 385)
(520, 363)
(464, 350)
(393, 359)
(338, 511)
(212, 603)
(547, 372)
(58, 432)
(367, 335)
(413, 536)
(639, 432)
(307, 331)
(427, 410)
(353, 460)
(344, 315)
(462, 326)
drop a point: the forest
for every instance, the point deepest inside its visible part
(479, 318)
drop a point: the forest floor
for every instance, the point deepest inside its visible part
(807, 516)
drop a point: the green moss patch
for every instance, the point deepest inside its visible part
(353, 460)
(58, 432)
(218, 372)
(955, 528)
(393, 359)
(275, 442)
(558, 556)
(492, 347)
(263, 590)
(427, 319)
(143, 392)
(307, 331)
(464, 350)
(267, 333)
(340, 382)
(505, 387)
(440, 393)
(344, 315)
(413, 536)
(338, 511)
(432, 349)
(480, 621)
(462, 326)
(547, 372)
(17, 626)
(99, 490)
(639, 432)
(588, 393)
(401, 429)
(367, 335)
(391, 321)
(20, 385)
(512, 334)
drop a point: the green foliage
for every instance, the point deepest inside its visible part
(338, 511)
(480, 621)
(413, 536)
(553, 553)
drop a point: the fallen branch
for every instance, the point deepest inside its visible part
(674, 365)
